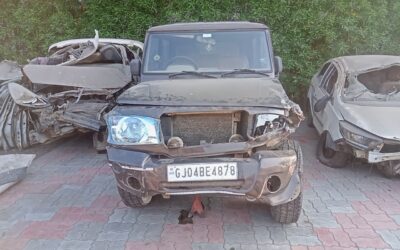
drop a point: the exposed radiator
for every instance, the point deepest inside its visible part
(195, 129)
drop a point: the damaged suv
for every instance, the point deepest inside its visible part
(354, 103)
(209, 116)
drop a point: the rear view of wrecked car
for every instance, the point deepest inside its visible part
(66, 92)
(355, 107)
(208, 117)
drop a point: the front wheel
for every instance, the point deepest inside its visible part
(328, 156)
(288, 212)
(132, 200)
(309, 118)
(390, 169)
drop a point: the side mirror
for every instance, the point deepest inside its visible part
(321, 103)
(278, 64)
(135, 65)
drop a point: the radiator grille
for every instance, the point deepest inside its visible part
(390, 148)
(194, 129)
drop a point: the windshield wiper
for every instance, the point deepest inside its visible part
(194, 73)
(245, 71)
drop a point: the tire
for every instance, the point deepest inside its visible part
(390, 169)
(309, 118)
(294, 145)
(100, 142)
(328, 156)
(132, 200)
(288, 212)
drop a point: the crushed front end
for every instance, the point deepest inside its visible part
(244, 151)
(383, 152)
(66, 92)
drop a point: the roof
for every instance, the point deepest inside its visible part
(127, 42)
(365, 62)
(207, 26)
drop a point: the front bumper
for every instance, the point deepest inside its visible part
(375, 157)
(143, 174)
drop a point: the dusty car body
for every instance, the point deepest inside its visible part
(195, 125)
(355, 107)
(66, 92)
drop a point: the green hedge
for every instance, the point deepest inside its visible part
(305, 33)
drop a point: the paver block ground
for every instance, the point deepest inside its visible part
(69, 201)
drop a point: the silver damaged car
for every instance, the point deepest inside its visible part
(355, 107)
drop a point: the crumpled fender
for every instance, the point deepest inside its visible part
(296, 115)
(24, 97)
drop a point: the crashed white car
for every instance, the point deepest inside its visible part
(355, 107)
(66, 92)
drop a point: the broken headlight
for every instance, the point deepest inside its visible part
(130, 130)
(267, 122)
(360, 138)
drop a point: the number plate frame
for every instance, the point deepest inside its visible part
(202, 172)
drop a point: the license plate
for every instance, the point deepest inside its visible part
(202, 172)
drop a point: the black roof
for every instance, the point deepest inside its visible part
(207, 26)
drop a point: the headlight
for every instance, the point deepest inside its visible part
(129, 130)
(360, 138)
(266, 122)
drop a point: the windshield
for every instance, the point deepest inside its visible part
(382, 84)
(217, 51)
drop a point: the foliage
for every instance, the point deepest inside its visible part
(27, 27)
(305, 33)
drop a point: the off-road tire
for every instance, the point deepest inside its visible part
(389, 170)
(294, 145)
(100, 142)
(132, 200)
(330, 157)
(309, 118)
(288, 212)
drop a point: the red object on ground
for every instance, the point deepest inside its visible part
(197, 206)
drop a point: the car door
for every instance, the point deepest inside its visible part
(323, 85)
(313, 93)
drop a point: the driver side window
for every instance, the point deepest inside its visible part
(323, 70)
(329, 79)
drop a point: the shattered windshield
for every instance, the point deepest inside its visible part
(216, 51)
(381, 85)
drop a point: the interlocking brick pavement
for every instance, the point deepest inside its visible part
(69, 201)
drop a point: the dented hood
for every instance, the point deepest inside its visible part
(381, 121)
(107, 76)
(256, 92)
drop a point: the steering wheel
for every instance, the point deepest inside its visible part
(183, 58)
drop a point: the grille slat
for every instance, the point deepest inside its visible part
(194, 129)
(390, 148)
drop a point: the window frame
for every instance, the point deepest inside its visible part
(145, 71)
(327, 76)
